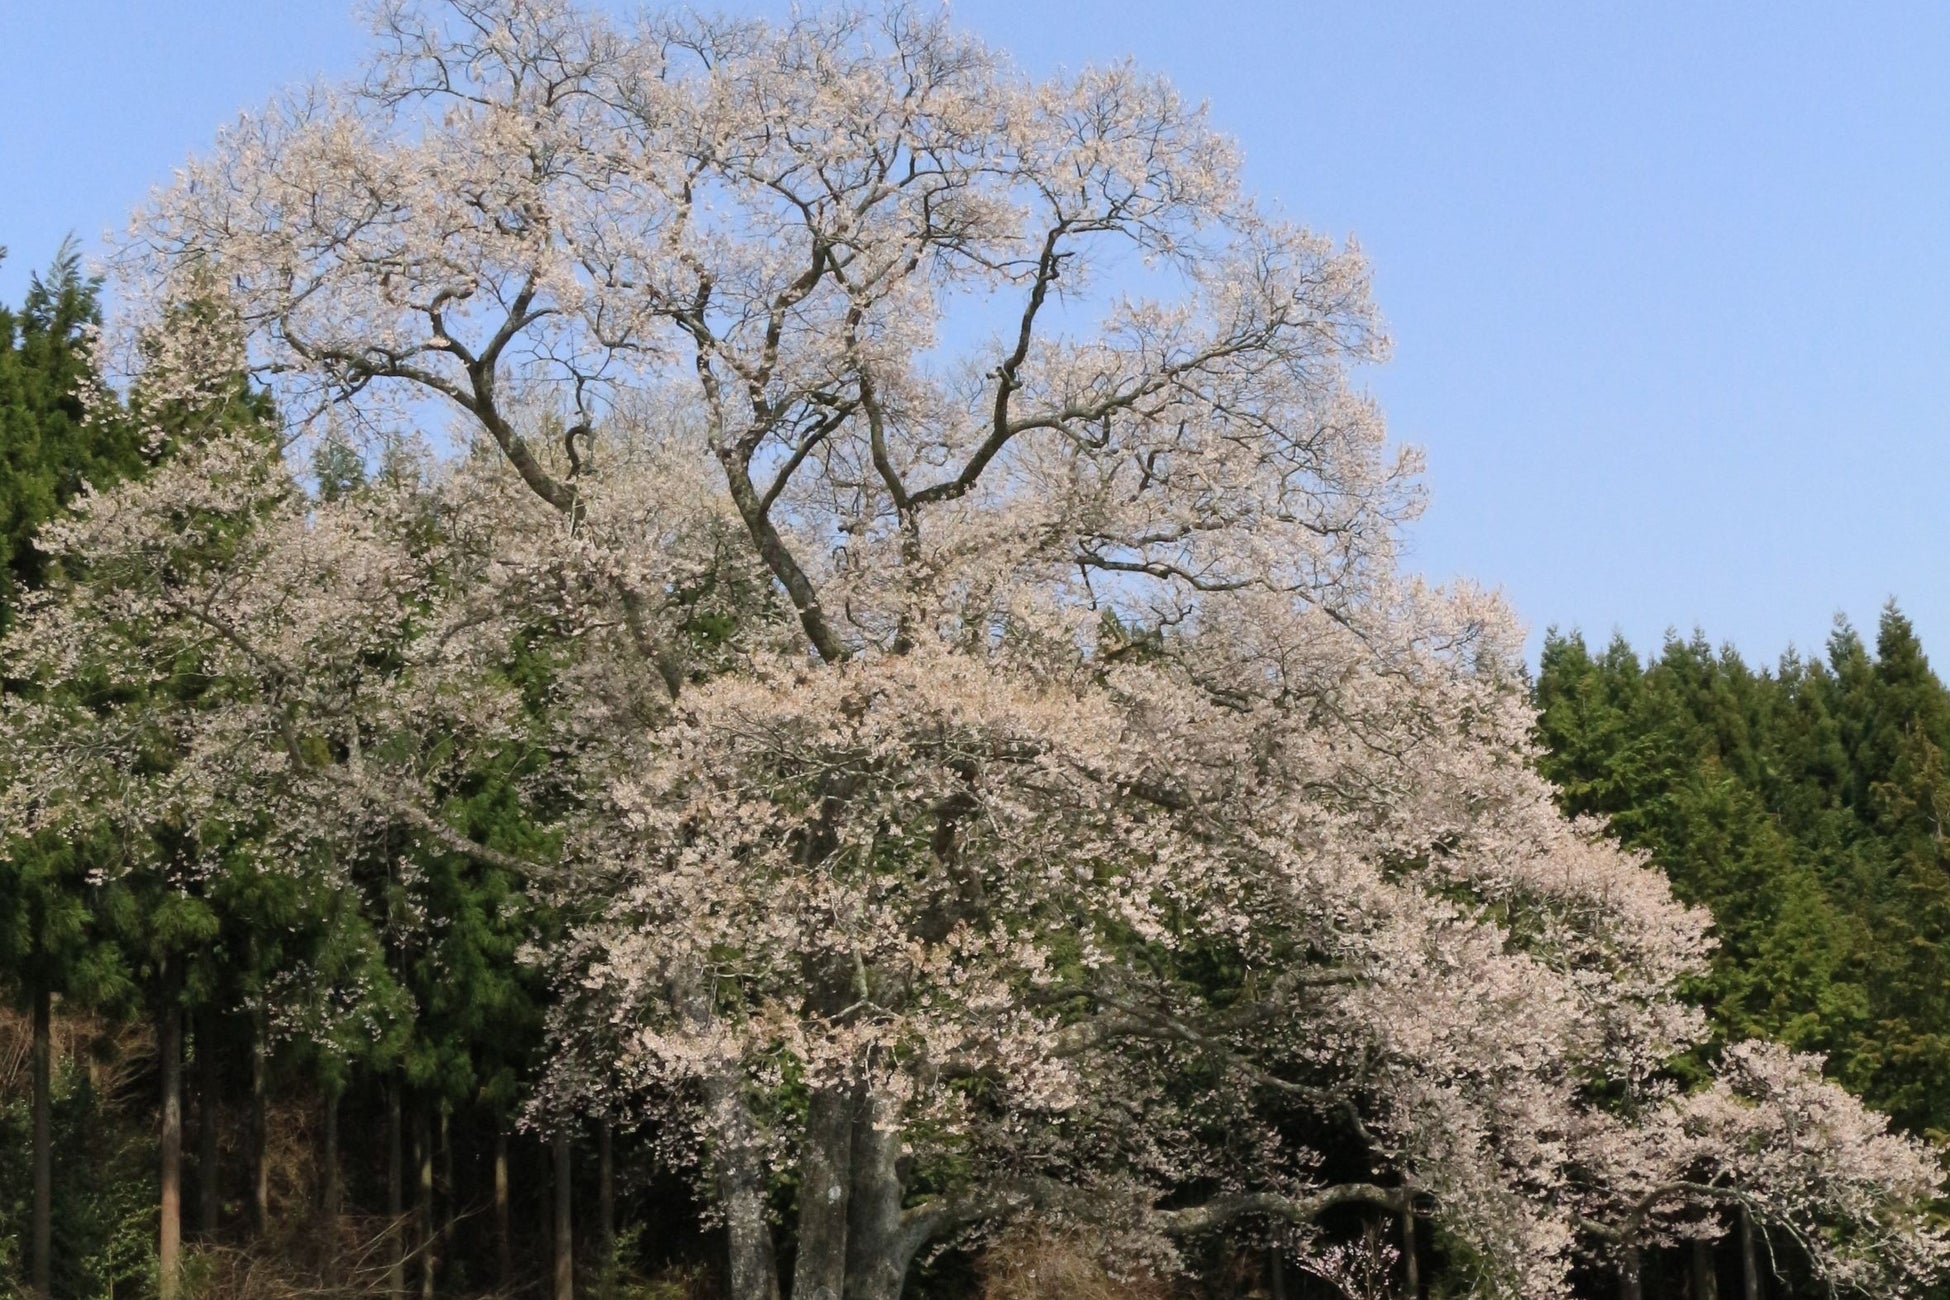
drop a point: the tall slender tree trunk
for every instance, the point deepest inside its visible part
(1411, 1262)
(261, 1125)
(504, 1229)
(877, 1253)
(1706, 1286)
(328, 1191)
(1630, 1285)
(169, 1252)
(1275, 1274)
(606, 1203)
(43, 1067)
(424, 1225)
(1749, 1257)
(565, 1246)
(395, 1194)
(545, 1211)
(209, 1199)
(825, 1163)
(448, 1201)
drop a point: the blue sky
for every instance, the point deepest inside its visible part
(1669, 283)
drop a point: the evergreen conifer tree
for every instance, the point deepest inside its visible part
(50, 449)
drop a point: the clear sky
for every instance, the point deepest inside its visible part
(1669, 282)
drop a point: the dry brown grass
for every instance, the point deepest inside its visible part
(288, 1265)
(1035, 1264)
(270, 1270)
(114, 1052)
(678, 1282)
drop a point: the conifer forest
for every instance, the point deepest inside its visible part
(703, 659)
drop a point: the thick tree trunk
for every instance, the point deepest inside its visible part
(328, 1184)
(877, 1251)
(261, 1126)
(606, 1202)
(1705, 1285)
(169, 1251)
(737, 1166)
(1630, 1286)
(565, 1246)
(1411, 1263)
(209, 1197)
(424, 1225)
(1749, 1257)
(395, 1195)
(738, 1175)
(504, 1228)
(43, 1067)
(824, 1164)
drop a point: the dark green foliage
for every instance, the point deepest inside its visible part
(338, 470)
(48, 448)
(104, 1203)
(1805, 807)
(479, 1025)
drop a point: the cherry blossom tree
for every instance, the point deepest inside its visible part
(1772, 1140)
(996, 763)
